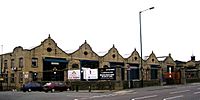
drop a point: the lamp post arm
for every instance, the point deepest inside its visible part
(147, 9)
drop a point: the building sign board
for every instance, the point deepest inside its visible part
(74, 74)
(90, 73)
(107, 74)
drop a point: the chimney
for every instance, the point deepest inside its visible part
(192, 58)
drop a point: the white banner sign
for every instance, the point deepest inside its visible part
(90, 73)
(74, 74)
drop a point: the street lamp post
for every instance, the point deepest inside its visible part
(141, 43)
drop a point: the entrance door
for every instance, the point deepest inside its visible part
(53, 69)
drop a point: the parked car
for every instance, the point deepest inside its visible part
(56, 86)
(32, 86)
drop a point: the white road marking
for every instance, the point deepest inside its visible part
(196, 92)
(100, 96)
(179, 91)
(124, 91)
(173, 97)
(108, 95)
(145, 97)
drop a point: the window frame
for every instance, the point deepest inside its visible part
(5, 64)
(12, 63)
(34, 62)
(154, 72)
(21, 62)
(12, 78)
(20, 77)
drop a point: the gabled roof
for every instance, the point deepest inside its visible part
(85, 47)
(114, 53)
(152, 59)
(47, 41)
(169, 60)
(134, 57)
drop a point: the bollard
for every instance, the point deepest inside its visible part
(89, 88)
(76, 88)
(110, 86)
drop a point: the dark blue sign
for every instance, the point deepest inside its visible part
(107, 74)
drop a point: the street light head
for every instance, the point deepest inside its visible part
(147, 9)
(151, 8)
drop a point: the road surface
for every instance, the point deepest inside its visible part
(174, 92)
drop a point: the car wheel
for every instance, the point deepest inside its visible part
(29, 90)
(52, 90)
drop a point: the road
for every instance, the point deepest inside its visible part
(175, 92)
(179, 92)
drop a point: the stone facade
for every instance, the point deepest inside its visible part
(24, 65)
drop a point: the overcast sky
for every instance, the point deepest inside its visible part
(172, 27)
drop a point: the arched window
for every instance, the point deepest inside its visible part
(105, 66)
(75, 66)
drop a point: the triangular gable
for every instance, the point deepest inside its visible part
(113, 56)
(169, 61)
(85, 52)
(48, 47)
(152, 59)
(134, 57)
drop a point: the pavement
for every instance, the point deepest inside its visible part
(150, 88)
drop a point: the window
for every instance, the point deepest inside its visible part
(189, 74)
(113, 55)
(12, 63)
(21, 63)
(49, 49)
(133, 72)
(34, 62)
(5, 64)
(105, 66)
(154, 72)
(12, 78)
(85, 53)
(20, 77)
(135, 58)
(122, 73)
(75, 66)
(6, 77)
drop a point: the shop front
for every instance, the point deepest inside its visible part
(54, 69)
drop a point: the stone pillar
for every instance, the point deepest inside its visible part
(118, 83)
(183, 78)
(17, 85)
(126, 72)
(65, 75)
(161, 76)
(198, 72)
(118, 73)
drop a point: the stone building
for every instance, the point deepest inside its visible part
(170, 74)
(48, 62)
